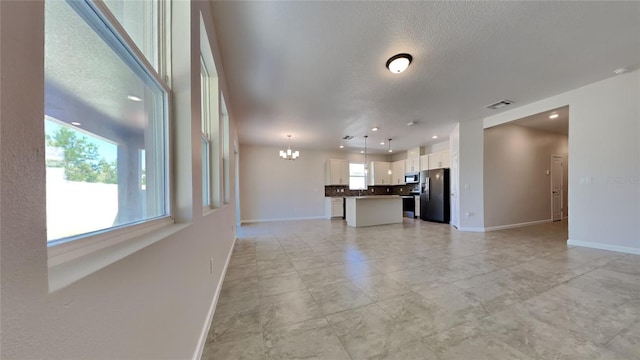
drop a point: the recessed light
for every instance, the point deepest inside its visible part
(390, 150)
(361, 151)
(375, 128)
(399, 63)
(434, 137)
(75, 123)
(411, 123)
(553, 116)
(381, 142)
(133, 98)
(341, 146)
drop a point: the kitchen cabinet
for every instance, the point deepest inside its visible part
(412, 165)
(379, 173)
(397, 172)
(334, 207)
(424, 162)
(337, 172)
(439, 160)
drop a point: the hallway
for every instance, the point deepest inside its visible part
(317, 289)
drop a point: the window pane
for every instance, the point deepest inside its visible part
(356, 182)
(206, 182)
(105, 128)
(356, 169)
(139, 18)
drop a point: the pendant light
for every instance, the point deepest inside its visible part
(365, 155)
(390, 150)
(288, 154)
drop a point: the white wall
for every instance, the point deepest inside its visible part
(151, 304)
(471, 176)
(454, 151)
(604, 165)
(273, 189)
(517, 189)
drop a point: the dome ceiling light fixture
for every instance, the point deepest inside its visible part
(399, 63)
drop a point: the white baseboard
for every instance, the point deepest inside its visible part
(616, 248)
(511, 226)
(470, 229)
(283, 219)
(212, 309)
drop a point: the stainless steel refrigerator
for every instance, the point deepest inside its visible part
(434, 199)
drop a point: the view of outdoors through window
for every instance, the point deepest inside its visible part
(357, 178)
(105, 127)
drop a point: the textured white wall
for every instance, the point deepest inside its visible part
(516, 187)
(471, 178)
(604, 160)
(272, 188)
(152, 304)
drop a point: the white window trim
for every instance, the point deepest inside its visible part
(73, 258)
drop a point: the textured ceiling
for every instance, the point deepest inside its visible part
(542, 121)
(316, 69)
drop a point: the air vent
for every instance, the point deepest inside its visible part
(347, 137)
(499, 104)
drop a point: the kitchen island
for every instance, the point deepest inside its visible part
(373, 210)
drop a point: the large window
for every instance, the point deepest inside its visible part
(205, 97)
(105, 118)
(357, 176)
(210, 123)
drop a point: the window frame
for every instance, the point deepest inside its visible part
(98, 16)
(364, 176)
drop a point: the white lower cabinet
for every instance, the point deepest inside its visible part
(334, 207)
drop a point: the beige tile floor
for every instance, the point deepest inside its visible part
(318, 289)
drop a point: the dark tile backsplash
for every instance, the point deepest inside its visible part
(343, 190)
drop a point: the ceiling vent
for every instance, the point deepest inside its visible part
(347, 137)
(499, 104)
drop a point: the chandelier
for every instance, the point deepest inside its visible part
(288, 154)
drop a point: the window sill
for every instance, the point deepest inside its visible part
(69, 267)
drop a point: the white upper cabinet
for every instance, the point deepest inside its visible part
(424, 162)
(397, 172)
(439, 160)
(379, 173)
(412, 165)
(337, 172)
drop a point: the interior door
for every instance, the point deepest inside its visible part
(556, 187)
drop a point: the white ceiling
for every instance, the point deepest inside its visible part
(316, 70)
(542, 121)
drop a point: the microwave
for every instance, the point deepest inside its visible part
(412, 178)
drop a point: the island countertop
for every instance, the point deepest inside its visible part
(373, 197)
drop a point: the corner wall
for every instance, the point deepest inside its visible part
(517, 189)
(604, 166)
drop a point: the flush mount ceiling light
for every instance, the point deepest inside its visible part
(553, 116)
(434, 137)
(390, 150)
(375, 128)
(134, 98)
(289, 155)
(399, 63)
